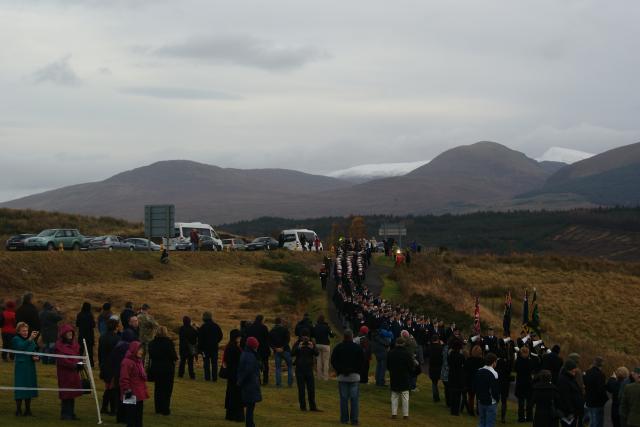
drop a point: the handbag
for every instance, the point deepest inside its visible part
(85, 382)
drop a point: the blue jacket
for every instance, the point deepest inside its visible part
(486, 386)
(249, 377)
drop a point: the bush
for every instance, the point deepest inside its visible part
(293, 268)
(295, 289)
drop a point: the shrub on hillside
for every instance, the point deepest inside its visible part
(295, 289)
(288, 267)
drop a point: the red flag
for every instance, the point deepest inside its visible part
(476, 317)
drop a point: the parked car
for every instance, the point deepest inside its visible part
(235, 244)
(53, 238)
(17, 242)
(262, 243)
(207, 243)
(110, 243)
(140, 244)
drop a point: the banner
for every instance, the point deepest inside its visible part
(506, 317)
(476, 317)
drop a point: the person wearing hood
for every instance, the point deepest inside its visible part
(249, 379)
(487, 389)
(188, 346)
(133, 383)
(231, 361)
(8, 328)
(571, 402)
(115, 358)
(106, 344)
(49, 319)
(162, 367)
(28, 313)
(68, 371)
(544, 398)
(86, 324)
(24, 368)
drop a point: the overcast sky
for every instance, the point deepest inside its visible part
(92, 88)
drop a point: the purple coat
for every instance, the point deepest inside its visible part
(68, 375)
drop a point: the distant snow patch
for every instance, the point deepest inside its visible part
(377, 170)
(564, 155)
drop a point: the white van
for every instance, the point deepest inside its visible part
(292, 239)
(182, 230)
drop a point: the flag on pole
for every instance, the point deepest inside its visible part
(535, 315)
(506, 318)
(525, 309)
(476, 317)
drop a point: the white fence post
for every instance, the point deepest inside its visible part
(93, 383)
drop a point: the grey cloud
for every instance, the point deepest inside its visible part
(58, 72)
(243, 50)
(177, 93)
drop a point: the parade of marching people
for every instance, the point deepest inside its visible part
(366, 341)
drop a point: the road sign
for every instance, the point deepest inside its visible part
(159, 220)
(392, 230)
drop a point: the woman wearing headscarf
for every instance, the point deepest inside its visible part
(68, 371)
(188, 347)
(25, 368)
(230, 362)
(249, 379)
(115, 358)
(162, 368)
(86, 324)
(133, 383)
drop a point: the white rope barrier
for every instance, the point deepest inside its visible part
(33, 353)
(86, 365)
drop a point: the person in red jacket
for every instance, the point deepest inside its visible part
(68, 371)
(133, 383)
(8, 328)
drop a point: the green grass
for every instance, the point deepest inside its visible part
(196, 403)
(391, 290)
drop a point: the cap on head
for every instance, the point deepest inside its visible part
(364, 330)
(598, 362)
(570, 365)
(253, 343)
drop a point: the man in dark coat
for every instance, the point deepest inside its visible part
(595, 384)
(456, 383)
(162, 367)
(209, 337)
(544, 398)
(86, 325)
(304, 350)
(259, 331)
(28, 313)
(552, 362)
(305, 323)
(126, 314)
(279, 338)
(630, 402)
(435, 365)
(49, 319)
(106, 344)
(401, 365)
(347, 361)
(524, 377)
(571, 402)
(487, 389)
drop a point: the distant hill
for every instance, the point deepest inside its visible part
(199, 191)
(610, 178)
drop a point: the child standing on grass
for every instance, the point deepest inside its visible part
(25, 368)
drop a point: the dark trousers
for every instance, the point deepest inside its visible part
(447, 393)
(471, 402)
(455, 399)
(434, 390)
(248, 418)
(504, 398)
(6, 343)
(134, 414)
(210, 366)
(162, 392)
(67, 409)
(189, 361)
(89, 349)
(110, 401)
(525, 409)
(265, 369)
(305, 379)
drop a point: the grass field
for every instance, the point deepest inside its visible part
(586, 305)
(234, 286)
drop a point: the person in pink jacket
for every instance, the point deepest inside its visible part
(133, 383)
(68, 371)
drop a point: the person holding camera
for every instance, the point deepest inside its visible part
(25, 368)
(304, 350)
